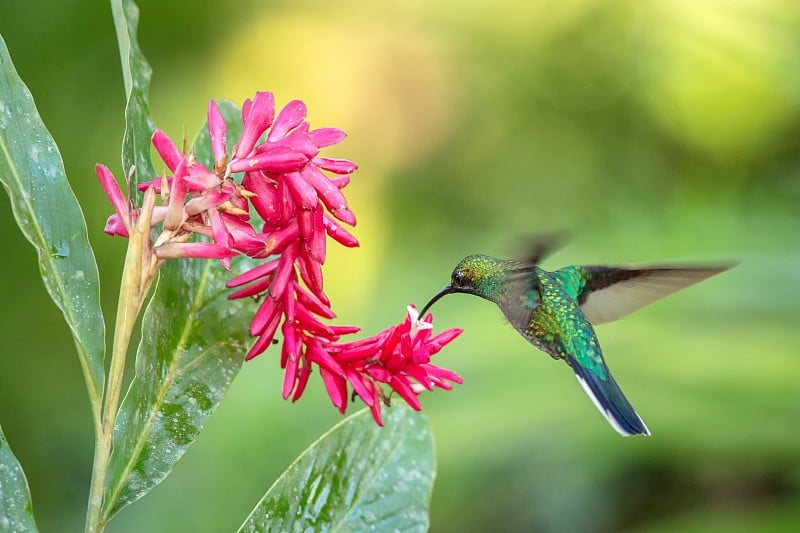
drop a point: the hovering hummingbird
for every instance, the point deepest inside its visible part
(556, 311)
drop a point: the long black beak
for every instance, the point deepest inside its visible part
(447, 290)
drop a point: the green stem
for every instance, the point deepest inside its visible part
(135, 283)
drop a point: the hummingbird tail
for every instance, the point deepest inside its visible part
(612, 404)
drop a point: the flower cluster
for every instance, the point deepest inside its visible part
(275, 167)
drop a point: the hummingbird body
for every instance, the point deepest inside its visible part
(556, 312)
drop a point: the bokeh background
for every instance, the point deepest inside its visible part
(655, 130)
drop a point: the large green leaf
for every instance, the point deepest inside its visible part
(136, 73)
(16, 509)
(193, 344)
(51, 219)
(356, 477)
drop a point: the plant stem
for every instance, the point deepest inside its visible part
(136, 281)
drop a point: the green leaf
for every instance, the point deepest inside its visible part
(49, 216)
(193, 344)
(16, 509)
(136, 72)
(356, 477)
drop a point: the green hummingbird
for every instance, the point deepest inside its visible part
(557, 311)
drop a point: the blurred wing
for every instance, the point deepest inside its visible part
(540, 246)
(613, 292)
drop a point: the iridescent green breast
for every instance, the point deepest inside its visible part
(557, 324)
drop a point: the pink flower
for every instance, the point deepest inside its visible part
(276, 168)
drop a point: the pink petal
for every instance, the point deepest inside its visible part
(177, 198)
(258, 347)
(279, 159)
(376, 411)
(115, 226)
(337, 166)
(336, 387)
(207, 201)
(267, 201)
(287, 205)
(345, 215)
(265, 314)
(330, 195)
(403, 388)
(338, 233)
(308, 322)
(253, 274)
(217, 130)
(315, 245)
(312, 303)
(318, 354)
(199, 179)
(311, 272)
(251, 290)
(195, 250)
(357, 354)
(302, 380)
(167, 150)
(289, 354)
(282, 275)
(290, 376)
(419, 374)
(341, 181)
(113, 192)
(302, 192)
(442, 339)
(443, 373)
(259, 117)
(277, 241)
(345, 330)
(360, 386)
(289, 117)
(327, 136)
(297, 140)
(305, 223)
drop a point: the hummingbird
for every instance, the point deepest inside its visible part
(557, 311)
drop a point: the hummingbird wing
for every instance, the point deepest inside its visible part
(611, 292)
(540, 246)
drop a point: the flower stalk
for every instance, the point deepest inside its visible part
(138, 274)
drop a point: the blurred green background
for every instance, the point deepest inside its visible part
(656, 130)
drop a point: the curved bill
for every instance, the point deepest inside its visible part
(447, 290)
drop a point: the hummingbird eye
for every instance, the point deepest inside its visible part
(458, 279)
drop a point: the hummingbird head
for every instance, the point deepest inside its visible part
(476, 274)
